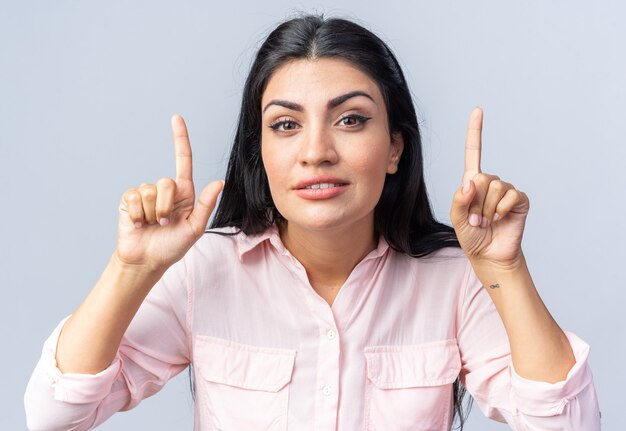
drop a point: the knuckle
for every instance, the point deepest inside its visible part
(166, 183)
(497, 186)
(148, 193)
(131, 196)
(480, 178)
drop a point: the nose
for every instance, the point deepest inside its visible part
(317, 147)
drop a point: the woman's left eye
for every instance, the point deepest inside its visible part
(353, 120)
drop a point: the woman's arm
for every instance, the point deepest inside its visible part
(157, 225)
(153, 349)
(489, 216)
(540, 378)
(91, 336)
(500, 391)
(539, 348)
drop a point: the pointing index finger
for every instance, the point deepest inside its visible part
(473, 144)
(182, 149)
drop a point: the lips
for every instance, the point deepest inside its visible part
(320, 182)
(317, 188)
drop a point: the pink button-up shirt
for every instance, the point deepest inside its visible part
(268, 353)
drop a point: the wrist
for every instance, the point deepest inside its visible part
(133, 274)
(495, 273)
(515, 264)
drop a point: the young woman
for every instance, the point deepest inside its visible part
(325, 296)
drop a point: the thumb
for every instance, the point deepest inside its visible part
(461, 203)
(199, 217)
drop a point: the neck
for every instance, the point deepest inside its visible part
(329, 256)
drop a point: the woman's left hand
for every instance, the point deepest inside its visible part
(487, 213)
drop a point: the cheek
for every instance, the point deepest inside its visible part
(373, 163)
(275, 165)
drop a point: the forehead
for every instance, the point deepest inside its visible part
(317, 81)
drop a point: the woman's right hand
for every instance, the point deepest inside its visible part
(159, 222)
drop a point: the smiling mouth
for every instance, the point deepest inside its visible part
(321, 190)
(324, 185)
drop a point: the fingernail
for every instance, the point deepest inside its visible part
(164, 221)
(466, 187)
(485, 222)
(138, 224)
(474, 220)
(496, 217)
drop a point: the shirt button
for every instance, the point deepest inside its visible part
(331, 334)
(326, 390)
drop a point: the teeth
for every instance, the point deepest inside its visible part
(322, 186)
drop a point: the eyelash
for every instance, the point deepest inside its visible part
(361, 119)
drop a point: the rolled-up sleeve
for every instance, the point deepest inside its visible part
(505, 396)
(153, 350)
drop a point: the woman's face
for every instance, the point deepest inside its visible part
(326, 144)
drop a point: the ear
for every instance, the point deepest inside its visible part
(397, 145)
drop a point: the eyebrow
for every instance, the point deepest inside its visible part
(332, 103)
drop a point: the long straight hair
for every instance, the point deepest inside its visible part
(403, 214)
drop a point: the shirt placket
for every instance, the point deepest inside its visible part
(330, 324)
(328, 356)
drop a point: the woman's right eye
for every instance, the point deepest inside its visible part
(283, 125)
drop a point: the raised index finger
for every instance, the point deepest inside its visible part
(182, 149)
(473, 145)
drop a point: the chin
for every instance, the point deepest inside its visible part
(324, 222)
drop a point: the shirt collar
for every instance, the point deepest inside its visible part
(246, 243)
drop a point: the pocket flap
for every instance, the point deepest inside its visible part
(428, 364)
(243, 366)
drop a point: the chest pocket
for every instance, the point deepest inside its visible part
(410, 387)
(241, 387)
